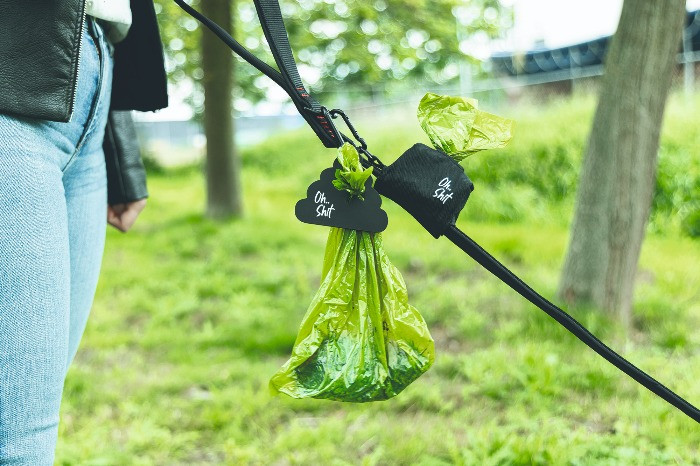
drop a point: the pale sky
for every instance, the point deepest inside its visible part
(562, 22)
(565, 22)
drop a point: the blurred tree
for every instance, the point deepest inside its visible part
(617, 178)
(223, 164)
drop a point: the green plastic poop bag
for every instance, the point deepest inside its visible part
(360, 339)
(457, 126)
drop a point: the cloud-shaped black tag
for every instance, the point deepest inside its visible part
(326, 205)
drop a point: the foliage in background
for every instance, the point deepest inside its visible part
(342, 44)
(193, 316)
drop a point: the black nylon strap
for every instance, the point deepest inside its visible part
(288, 75)
(276, 34)
(486, 260)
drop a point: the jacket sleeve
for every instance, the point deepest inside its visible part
(126, 174)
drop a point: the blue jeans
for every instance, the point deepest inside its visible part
(53, 210)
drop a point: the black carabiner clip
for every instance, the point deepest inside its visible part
(367, 159)
(334, 114)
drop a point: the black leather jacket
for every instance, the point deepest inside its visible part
(39, 54)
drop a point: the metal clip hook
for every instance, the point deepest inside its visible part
(367, 159)
(335, 112)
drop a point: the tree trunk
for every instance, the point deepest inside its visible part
(223, 164)
(619, 168)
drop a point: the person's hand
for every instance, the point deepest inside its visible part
(123, 216)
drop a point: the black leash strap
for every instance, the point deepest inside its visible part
(487, 261)
(426, 182)
(287, 77)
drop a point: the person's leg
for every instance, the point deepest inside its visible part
(85, 183)
(86, 198)
(34, 298)
(35, 271)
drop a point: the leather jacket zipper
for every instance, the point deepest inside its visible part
(77, 69)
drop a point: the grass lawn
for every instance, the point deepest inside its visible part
(192, 317)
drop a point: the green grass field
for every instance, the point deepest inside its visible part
(192, 317)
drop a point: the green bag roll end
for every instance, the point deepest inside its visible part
(360, 339)
(456, 126)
